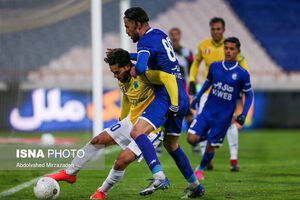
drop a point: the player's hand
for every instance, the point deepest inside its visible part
(192, 88)
(172, 111)
(195, 102)
(108, 50)
(241, 119)
(132, 71)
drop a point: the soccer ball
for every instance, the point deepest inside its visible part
(46, 188)
(47, 139)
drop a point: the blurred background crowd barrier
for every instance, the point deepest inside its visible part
(46, 70)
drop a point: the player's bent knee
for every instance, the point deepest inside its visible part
(120, 164)
(134, 133)
(170, 147)
(170, 142)
(141, 127)
(124, 159)
(103, 138)
(192, 138)
(210, 148)
(96, 140)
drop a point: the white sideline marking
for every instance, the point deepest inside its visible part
(18, 188)
(32, 181)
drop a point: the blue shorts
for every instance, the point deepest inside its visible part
(213, 133)
(155, 114)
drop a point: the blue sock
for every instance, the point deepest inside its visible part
(148, 152)
(183, 164)
(156, 168)
(192, 179)
(207, 157)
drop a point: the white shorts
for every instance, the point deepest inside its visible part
(120, 132)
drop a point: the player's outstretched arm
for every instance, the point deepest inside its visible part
(194, 72)
(133, 56)
(248, 101)
(125, 107)
(196, 100)
(142, 62)
(109, 50)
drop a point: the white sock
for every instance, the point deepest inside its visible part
(112, 179)
(194, 184)
(90, 152)
(159, 175)
(203, 146)
(232, 137)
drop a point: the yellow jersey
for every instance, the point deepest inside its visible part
(210, 51)
(138, 93)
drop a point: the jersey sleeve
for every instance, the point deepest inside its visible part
(195, 65)
(168, 80)
(248, 102)
(246, 85)
(125, 107)
(141, 63)
(209, 76)
(145, 51)
(133, 56)
(247, 89)
(145, 45)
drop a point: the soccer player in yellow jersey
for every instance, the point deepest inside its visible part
(212, 50)
(138, 93)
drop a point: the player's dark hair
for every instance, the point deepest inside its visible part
(136, 14)
(216, 20)
(233, 40)
(118, 56)
(175, 29)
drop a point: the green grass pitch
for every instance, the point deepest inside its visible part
(269, 163)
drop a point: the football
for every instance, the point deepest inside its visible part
(46, 188)
(47, 139)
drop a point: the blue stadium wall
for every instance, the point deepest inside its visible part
(275, 24)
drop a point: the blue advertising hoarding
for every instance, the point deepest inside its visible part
(45, 110)
(57, 110)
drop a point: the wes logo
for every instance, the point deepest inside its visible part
(223, 91)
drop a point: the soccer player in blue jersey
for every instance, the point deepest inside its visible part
(155, 52)
(227, 79)
(185, 59)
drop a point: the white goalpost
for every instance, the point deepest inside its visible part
(97, 51)
(96, 19)
(124, 5)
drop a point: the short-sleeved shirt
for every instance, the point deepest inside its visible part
(162, 57)
(227, 80)
(210, 51)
